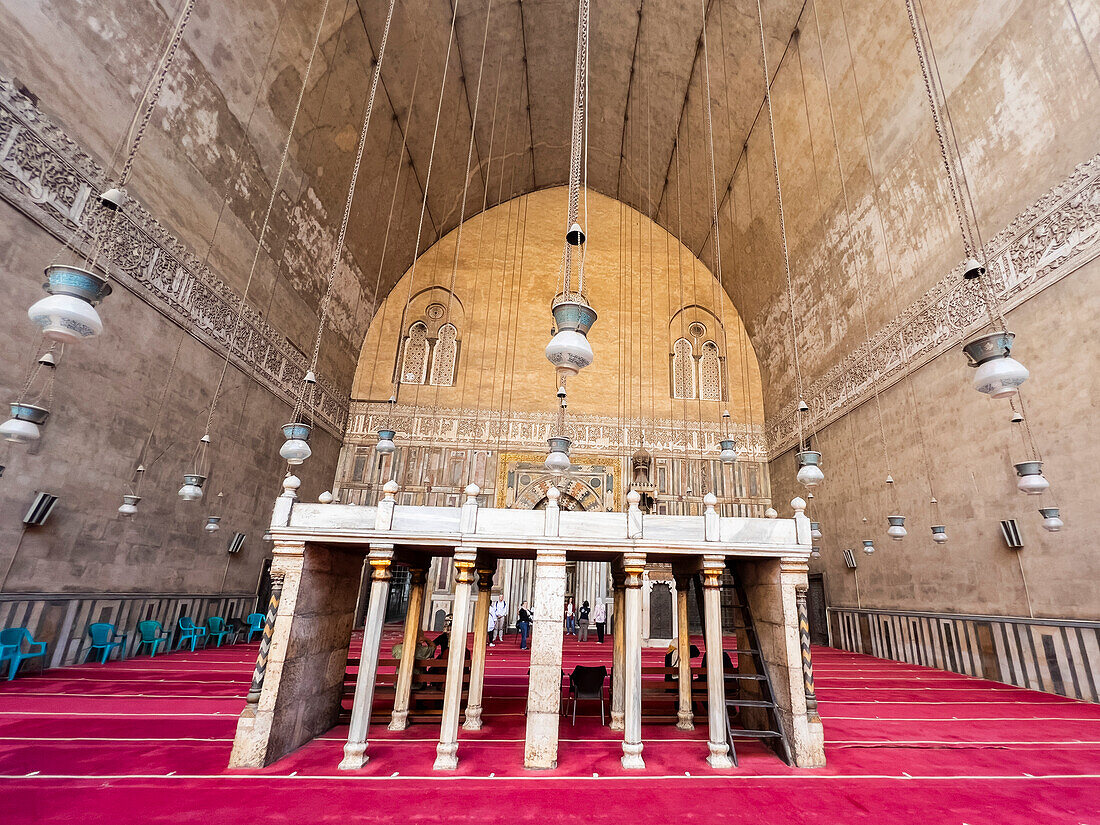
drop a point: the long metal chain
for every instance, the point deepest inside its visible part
(782, 218)
(326, 300)
(577, 142)
(231, 344)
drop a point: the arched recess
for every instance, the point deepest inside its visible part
(502, 281)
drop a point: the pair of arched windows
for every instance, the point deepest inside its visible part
(430, 360)
(696, 376)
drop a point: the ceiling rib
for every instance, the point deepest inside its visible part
(629, 92)
(527, 83)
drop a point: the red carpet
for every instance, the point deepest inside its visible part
(148, 740)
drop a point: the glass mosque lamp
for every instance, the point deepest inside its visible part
(67, 315)
(31, 411)
(939, 534)
(868, 546)
(193, 481)
(569, 350)
(897, 530)
(809, 469)
(385, 445)
(295, 449)
(997, 374)
(212, 525)
(815, 530)
(557, 460)
(1052, 520)
(1031, 479)
(129, 505)
(815, 552)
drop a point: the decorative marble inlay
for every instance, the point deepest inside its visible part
(51, 179)
(1050, 239)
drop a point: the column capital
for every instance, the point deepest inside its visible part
(682, 575)
(633, 567)
(618, 578)
(485, 578)
(380, 558)
(712, 567)
(794, 564)
(282, 547)
(417, 576)
(465, 561)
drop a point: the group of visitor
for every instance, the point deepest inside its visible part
(498, 622)
(577, 621)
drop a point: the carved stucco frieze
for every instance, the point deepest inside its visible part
(513, 430)
(1050, 239)
(51, 179)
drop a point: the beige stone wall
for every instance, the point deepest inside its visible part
(1025, 98)
(638, 278)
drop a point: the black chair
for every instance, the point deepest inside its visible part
(587, 683)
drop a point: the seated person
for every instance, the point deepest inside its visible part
(672, 659)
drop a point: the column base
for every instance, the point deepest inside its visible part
(719, 758)
(632, 757)
(685, 720)
(446, 756)
(399, 720)
(618, 720)
(355, 756)
(473, 719)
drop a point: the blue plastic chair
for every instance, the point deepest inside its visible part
(255, 624)
(105, 639)
(11, 648)
(189, 632)
(215, 629)
(151, 635)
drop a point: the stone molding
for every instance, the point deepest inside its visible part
(47, 176)
(515, 430)
(1056, 235)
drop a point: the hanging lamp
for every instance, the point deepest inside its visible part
(68, 314)
(131, 499)
(569, 350)
(1052, 521)
(997, 374)
(939, 534)
(213, 522)
(193, 480)
(32, 409)
(896, 530)
(809, 469)
(868, 546)
(728, 454)
(815, 552)
(815, 530)
(557, 460)
(1031, 476)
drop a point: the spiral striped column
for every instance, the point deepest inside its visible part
(257, 685)
(807, 659)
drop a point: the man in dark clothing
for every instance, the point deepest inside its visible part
(582, 622)
(523, 624)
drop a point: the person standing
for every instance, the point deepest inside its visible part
(582, 621)
(599, 616)
(500, 610)
(492, 625)
(523, 624)
(571, 618)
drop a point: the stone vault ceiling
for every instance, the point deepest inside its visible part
(646, 131)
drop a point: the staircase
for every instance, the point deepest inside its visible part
(751, 712)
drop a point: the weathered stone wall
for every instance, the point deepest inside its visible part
(1025, 98)
(106, 399)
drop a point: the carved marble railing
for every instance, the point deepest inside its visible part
(51, 179)
(515, 430)
(1050, 239)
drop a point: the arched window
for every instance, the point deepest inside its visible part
(683, 369)
(710, 373)
(444, 355)
(414, 361)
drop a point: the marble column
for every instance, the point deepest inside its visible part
(477, 662)
(446, 752)
(633, 566)
(355, 750)
(540, 748)
(618, 648)
(716, 682)
(399, 720)
(807, 659)
(684, 720)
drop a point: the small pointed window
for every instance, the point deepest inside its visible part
(414, 361)
(683, 369)
(710, 373)
(444, 356)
